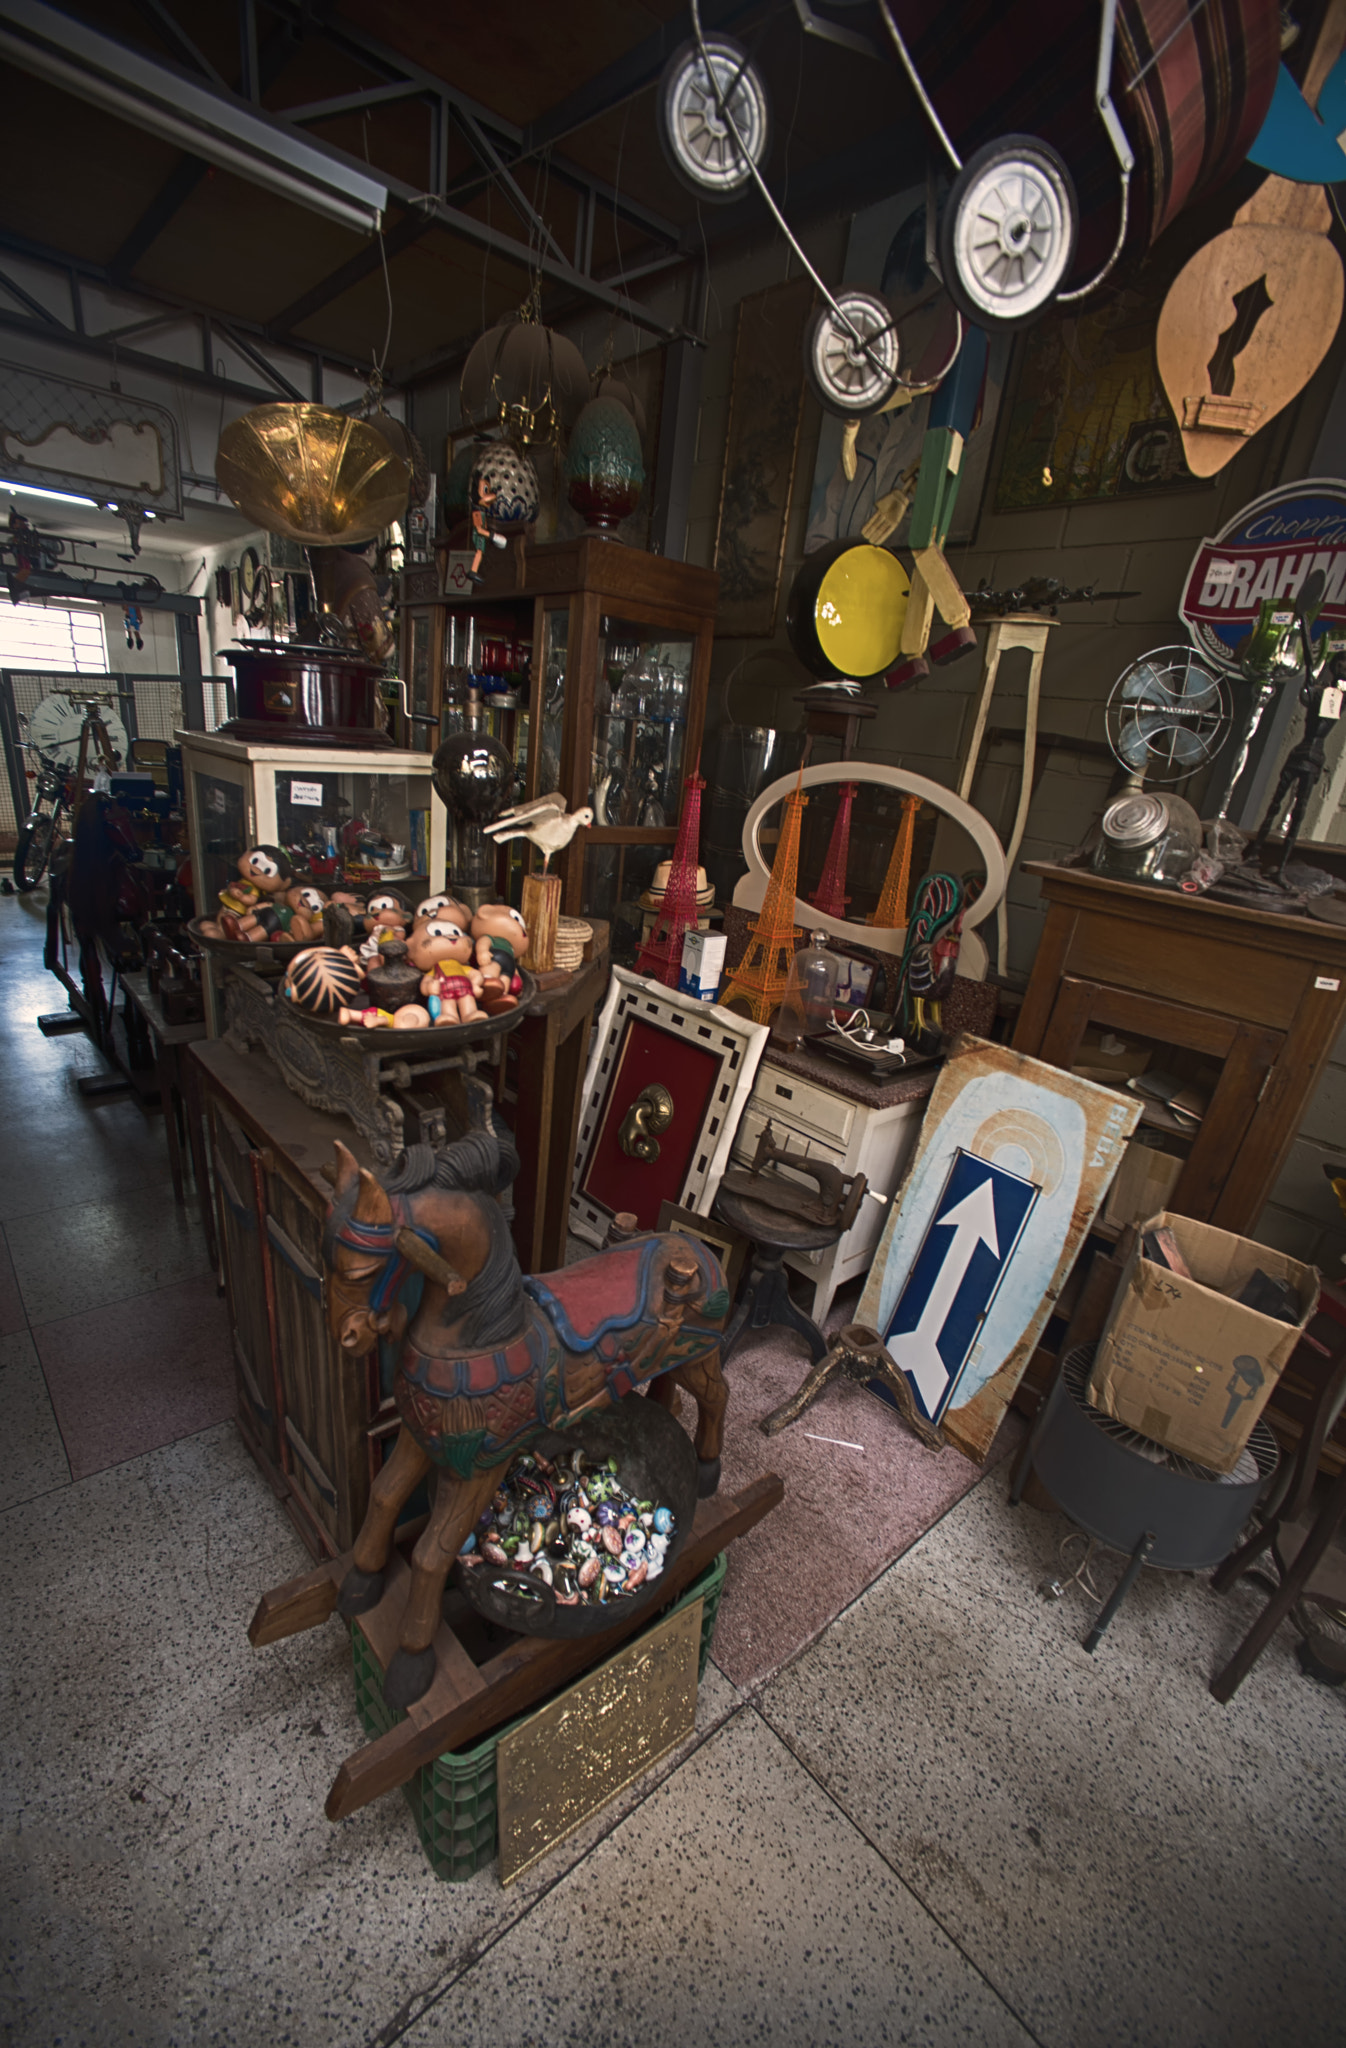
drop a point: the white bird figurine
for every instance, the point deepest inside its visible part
(543, 821)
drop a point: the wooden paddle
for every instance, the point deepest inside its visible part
(1247, 322)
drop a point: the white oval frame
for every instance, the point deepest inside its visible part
(750, 892)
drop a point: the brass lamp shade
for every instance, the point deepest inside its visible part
(315, 476)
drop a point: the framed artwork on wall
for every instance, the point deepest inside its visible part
(667, 1083)
(1087, 420)
(766, 404)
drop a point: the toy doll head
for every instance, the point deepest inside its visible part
(306, 898)
(444, 906)
(387, 912)
(267, 868)
(439, 938)
(499, 921)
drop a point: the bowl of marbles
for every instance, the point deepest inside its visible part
(332, 991)
(578, 1538)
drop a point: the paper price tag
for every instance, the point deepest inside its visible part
(1330, 982)
(1282, 618)
(1220, 573)
(1329, 704)
(309, 793)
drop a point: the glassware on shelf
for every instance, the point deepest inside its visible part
(810, 993)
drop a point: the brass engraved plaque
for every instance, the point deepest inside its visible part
(584, 1747)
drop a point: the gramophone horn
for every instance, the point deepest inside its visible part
(316, 476)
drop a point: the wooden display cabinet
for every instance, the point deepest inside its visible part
(590, 612)
(1258, 997)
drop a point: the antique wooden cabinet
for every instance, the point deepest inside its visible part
(1257, 999)
(612, 646)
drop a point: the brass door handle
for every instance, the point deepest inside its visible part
(651, 1111)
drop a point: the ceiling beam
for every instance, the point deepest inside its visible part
(134, 359)
(178, 40)
(408, 230)
(188, 173)
(627, 76)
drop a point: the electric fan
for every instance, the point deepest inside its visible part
(1166, 718)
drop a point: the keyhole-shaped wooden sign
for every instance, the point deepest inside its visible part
(1247, 322)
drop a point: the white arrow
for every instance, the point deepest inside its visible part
(916, 1352)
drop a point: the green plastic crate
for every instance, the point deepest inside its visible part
(453, 1799)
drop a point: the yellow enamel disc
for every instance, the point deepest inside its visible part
(859, 610)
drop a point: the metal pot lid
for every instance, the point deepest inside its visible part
(1137, 819)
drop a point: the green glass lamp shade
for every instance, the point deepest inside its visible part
(604, 469)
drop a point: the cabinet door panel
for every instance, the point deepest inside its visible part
(244, 1279)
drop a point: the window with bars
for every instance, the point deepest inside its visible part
(64, 636)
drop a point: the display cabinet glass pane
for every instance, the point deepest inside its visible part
(364, 826)
(421, 636)
(615, 880)
(556, 637)
(222, 832)
(641, 696)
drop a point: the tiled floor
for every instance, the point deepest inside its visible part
(939, 1823)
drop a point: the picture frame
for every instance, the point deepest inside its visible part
(766, 407)
(705, 1058)
(730, 1246)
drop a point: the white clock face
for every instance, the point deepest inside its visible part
(54, 728)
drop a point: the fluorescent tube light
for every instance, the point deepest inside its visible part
(63, 497)
(69, 54)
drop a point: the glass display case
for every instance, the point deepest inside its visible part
(593, 661)
(349, 815)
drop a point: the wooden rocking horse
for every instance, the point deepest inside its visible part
(490, 1361)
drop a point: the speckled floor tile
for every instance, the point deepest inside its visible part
(97, 1150)
(36, 1460)
(166, 1870)
(736, 1905)
(103, 1251)
(12, 1316)
(131, 1375)
(1126, 1860)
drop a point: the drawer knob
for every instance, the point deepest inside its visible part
(651, 1111)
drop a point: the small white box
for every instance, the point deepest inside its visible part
(702, 965)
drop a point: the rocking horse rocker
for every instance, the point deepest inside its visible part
(489, 1363)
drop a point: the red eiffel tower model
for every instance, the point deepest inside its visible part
(758, 982)
(891, 912)
(830, 895)
(660, 957)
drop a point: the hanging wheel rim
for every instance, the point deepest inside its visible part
(702, 145)
(844, 368)
(1013, 234)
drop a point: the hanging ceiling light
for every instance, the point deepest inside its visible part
(525, 375)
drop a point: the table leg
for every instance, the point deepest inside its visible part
(1120, 1590)
(165, 1072)
(194, 1115)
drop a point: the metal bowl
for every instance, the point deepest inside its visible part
(656, 1460)
(246, 952)
(442, 1037)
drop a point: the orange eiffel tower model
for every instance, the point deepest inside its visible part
(891, 913)
(830, 896)
(661, 955)
(758, 982)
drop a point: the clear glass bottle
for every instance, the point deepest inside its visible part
(810, 994)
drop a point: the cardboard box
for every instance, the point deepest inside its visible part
(1184, 1363)
(702, 965)
(1145, 1180)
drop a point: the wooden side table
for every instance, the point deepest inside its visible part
(1262, 995)
(176, 1082)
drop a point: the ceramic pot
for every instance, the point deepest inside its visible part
(605, 472)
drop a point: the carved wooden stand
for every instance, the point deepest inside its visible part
(466, 1701)
(367, 1076)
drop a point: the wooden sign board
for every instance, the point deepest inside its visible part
(1014, 1161)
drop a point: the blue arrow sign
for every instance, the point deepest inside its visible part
(964, 1255)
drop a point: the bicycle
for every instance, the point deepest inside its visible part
(60, 788)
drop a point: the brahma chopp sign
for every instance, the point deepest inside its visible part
(1267, 550)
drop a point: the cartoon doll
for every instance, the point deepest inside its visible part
(264, 872)
(500, 939)
(449, 981)
(483, 497)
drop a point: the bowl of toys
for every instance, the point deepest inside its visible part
(446, 973)
(579, 1538)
